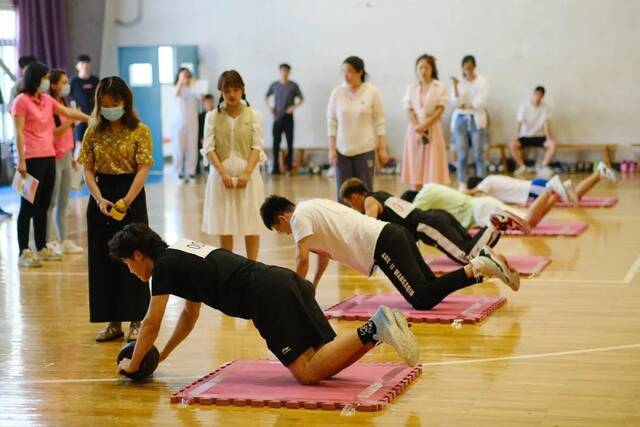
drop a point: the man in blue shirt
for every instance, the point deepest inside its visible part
(83, 89)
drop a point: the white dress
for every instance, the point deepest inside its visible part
(185, 132)
(234, 211)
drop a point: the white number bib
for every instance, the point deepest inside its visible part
(191, 247)
(399, 206)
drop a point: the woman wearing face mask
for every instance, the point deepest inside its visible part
(355, 119)
(33, 112)
(116, 155)
(425, 155)
(59, 88)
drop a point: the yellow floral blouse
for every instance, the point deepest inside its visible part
(117, 152)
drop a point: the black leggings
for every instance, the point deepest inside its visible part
(399, 258)
(44, 170)
(438, 228)
(283, 124)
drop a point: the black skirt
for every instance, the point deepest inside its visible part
(115, 294)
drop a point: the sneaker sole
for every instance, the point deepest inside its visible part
(513, 221)
(399, 337)
(512, 276)
(112, 338)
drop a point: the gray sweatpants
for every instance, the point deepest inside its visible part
(59, 199)
(360, 166)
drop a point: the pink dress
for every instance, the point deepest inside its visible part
(425, 163)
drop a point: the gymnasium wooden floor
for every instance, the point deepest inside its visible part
(565, 350)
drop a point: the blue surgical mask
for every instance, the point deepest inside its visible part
(44, 86)
(65, 90)
(112, 114)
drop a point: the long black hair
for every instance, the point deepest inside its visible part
(358, 65)
(33, 75)
(230, 78)
(431, 60)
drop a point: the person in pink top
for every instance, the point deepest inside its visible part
(425, 156)
(59, 88)
(33, 112)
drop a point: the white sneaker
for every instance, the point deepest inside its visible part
(607, 173)
(28, 260)
(545, 172)
(462, 187)
(48, 254)
(69, 247)
(490, 264)
(505, 220)
(555, 185)
(571, 192)
(392, 329)
(55, 246)
(520, 170)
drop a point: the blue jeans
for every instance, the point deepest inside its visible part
(464, 130)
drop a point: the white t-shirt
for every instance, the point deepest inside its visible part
(345, 235)
(474, 93)
(355, 119)
(506, 189)
(532, 119)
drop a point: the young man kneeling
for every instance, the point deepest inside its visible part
(279, 302)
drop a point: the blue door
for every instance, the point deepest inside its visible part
(146, 69)
(138, 67)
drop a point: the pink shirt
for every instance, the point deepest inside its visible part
(38, 124)
(64, 143)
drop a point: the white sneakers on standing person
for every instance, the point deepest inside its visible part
(66, 247)
(28, 259)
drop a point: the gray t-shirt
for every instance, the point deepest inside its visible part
(285, 95)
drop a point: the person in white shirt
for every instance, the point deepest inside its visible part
(185, 126)
(533, 130)
(355, 121)
(334, 231)
(469, 119)
(521, 191)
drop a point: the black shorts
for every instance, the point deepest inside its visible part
(288, 316)
(532, 141)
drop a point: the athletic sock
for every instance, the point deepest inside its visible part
(366, 333)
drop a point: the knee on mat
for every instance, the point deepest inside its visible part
(306, 378)
(423, 304)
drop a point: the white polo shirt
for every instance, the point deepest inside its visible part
(355, 119)
(345, 235)
(532, 118)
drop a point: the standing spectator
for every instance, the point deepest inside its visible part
(33, 111)
(59, 88)
(355, 118)
(233, 146)
(83, 90)
(116, 155)
(533, 130)
(208, 104)
(287, 97)
(185, 127)
(469, 120)
(23, 62)
(425, 155)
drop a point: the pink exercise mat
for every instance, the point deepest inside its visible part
(526, 265)
(548, 228)
(468, 308)
(591, 202)
(267, 383)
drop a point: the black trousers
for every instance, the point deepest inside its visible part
(44, 170)
(115, 294)
(283, 124)
(398, 257)
(440, 229)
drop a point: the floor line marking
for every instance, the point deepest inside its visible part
(444, 363)
(632, 271)
(535, 356)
